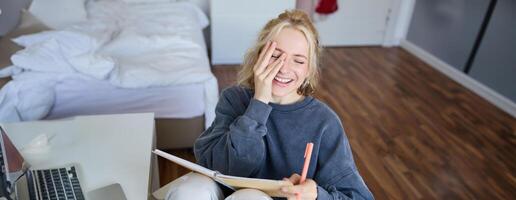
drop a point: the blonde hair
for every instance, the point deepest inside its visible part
(297, 20)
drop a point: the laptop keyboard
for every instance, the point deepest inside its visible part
(57, 184)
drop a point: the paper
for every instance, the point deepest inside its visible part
(190, 165)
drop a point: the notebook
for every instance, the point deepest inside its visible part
(271, 187)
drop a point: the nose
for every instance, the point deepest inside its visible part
(286, 65)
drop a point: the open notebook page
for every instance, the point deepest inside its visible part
(271, 187)
(190, 165)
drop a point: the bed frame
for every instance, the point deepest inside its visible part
(178, 133)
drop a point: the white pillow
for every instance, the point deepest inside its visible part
(59, 13)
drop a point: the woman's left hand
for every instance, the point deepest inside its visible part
(306, 190)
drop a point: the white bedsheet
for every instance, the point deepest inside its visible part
(129, 46)
(90, 96)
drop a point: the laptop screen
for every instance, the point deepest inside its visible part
(11, 162)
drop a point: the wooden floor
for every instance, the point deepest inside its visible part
(415, 133)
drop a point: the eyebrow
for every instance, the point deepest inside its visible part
(300, 55)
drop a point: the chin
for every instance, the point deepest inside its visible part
(280, 93)
(283, 92)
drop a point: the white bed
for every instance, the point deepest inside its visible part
(87, 97)
(131, 61)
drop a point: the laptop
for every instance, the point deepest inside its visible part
(19, 182)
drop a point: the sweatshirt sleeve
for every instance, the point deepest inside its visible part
(338, 177)
(233, 144)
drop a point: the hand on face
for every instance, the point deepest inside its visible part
(264, 72)
(306, 190)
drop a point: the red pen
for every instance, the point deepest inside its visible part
(308, 155)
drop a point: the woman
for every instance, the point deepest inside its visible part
(262, 125)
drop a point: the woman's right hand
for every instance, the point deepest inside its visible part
(265, 71)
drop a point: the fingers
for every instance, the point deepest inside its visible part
(292, 190)
(275, 70)
(295, 178)
(272, 70)
(263, 76)
(306, 190)
(265, 57)
(294, 197)
(264, 49)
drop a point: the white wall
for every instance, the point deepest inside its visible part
(356, 22)
(203, 4)
(399, 22)
(404, 16)
(365, 22)
(236, 24)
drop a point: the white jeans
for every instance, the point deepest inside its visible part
(195, 186)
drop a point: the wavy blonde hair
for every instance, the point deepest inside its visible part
(297, 20)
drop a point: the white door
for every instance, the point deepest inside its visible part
(356, 22)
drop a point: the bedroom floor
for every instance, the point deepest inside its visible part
(415, 133)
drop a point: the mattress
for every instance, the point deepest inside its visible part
(88, 97)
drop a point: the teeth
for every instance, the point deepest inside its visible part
(283, 80)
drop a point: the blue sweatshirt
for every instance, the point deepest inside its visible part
(252, 139)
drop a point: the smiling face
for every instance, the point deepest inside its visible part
(295, 70)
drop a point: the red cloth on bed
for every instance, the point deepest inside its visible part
(326, 6)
